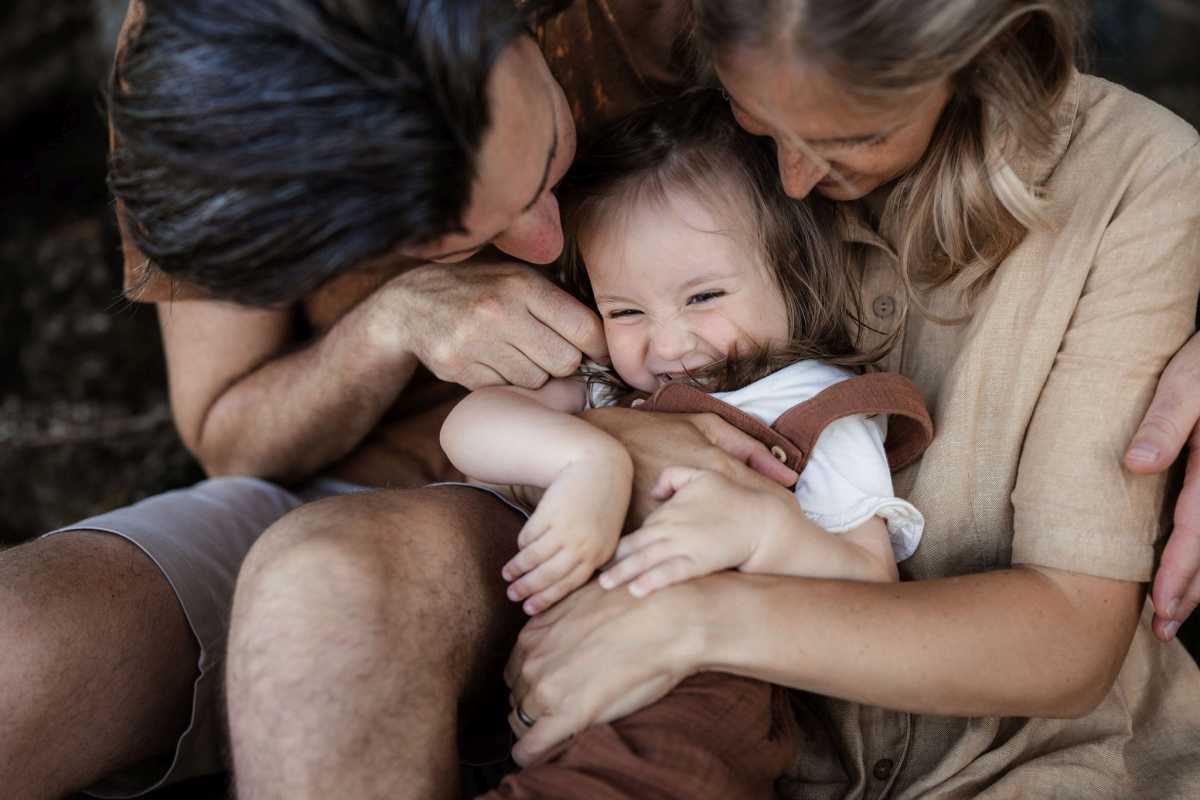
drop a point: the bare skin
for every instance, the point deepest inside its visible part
(67, 652)
(356, 632)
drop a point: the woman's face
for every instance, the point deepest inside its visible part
(523, 154)
(679, 285)
(866, 147)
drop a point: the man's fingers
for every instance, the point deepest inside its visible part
(544, 347)
(477, 375)
(517, 369)
(1172, 415)
(571, 320)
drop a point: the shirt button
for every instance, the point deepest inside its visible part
(883, 769)
(884, 306)
(779, 453)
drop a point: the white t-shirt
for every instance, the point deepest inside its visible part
(847, 480)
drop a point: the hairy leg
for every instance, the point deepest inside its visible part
(96, 663)
(359, 623)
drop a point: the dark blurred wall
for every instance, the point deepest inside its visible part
(84, 424)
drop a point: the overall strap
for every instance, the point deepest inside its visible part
(795, 433)
(682, 398)
(910, 429)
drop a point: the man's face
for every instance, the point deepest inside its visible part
(525, 152)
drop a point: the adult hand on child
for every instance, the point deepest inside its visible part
(599, 656)
(702, 441)
(707, 523)
(1169, 425)
(488, 323)
(572, 532)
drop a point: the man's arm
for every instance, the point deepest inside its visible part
(247, 400)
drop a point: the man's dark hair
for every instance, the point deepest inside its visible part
(264, 146)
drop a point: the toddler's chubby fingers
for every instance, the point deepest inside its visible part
(672, 479)
(672, 571)
(532, 531)
(529, 557)
(549, 596)
(543, 576)
(638, 562)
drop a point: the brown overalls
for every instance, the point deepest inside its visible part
(718, 735)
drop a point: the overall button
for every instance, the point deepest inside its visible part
(779, 454)
(884, 306)
(883, 769)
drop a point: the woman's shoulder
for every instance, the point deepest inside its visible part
(1112, 117)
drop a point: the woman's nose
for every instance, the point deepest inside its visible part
(536, 236)
(797, 172)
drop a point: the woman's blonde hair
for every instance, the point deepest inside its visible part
(963, 208)
(692, 144)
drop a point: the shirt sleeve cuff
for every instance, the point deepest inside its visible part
(905, 524)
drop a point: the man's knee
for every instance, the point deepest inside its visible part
(421, 554)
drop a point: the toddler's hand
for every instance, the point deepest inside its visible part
(707, 524)
(573, 531)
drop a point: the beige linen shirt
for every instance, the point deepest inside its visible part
(1033, 400)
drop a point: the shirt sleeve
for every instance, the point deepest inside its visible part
(847, 481)
(1074, 505)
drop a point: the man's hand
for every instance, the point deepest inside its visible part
(1169, 424)
(702, 441)
(488, 323)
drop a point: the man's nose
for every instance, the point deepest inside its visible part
(536, 236)
(797, 172)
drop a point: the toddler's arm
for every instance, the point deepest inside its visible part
(529, 437)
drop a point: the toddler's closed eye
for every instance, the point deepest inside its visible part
(704, 297)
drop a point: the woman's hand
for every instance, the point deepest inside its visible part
(598, 656)
(702, 441)
(487, 323)
(707, 523)
(1169, 425)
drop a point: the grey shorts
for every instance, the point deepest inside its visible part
(198, 538)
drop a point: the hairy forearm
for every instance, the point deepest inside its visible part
(299, 412)
(504, 435)
(1018, 642)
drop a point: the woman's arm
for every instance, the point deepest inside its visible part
(1023, 641)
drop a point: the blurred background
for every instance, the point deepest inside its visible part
(84, 422)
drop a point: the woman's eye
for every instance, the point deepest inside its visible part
(623, 312)
(703, 297)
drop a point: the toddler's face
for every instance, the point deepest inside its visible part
(678, 285)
